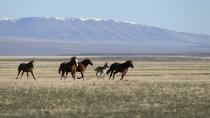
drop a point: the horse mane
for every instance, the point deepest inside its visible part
(105, 65)
(127, 63)
(85, 61)
(72, 59)
(32, 61)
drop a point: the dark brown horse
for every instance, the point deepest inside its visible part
(26, 67)
(118, 67)
(100, 70)
(82, 67)
(67, 67)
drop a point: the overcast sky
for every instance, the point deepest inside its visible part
(180, 15)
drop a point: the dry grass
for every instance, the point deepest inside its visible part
(156, 87)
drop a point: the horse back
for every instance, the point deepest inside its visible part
(80, 68)
(117, 67)
(113, 66)
(24, 67)
(63, 66)
(67, 67)
(20, 67)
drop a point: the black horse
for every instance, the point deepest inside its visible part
(67, 67)
(82, 67)
(118, 67)
(26, 67)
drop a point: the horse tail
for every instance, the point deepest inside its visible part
(19, 68)
(60, 69)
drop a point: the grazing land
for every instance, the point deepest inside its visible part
(158, 87)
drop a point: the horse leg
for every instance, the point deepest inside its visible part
(67, 74)
(27, 75)
(33, 75)
(82, 75)
(18, 74)
(62, 75)
(122, 77)
(110, 75)
(97, 74)
(73, 75)
(22, 74)
(114, 75)
(123, 74)
(102, 75)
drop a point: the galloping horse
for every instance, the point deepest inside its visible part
(100, 70)
(82, 67)
(122, 68)
(67, 67)
(26, 67)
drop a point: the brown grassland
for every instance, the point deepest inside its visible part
(158, 87)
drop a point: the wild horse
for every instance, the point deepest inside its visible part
(82, 67)
(118, 67)
(26, 67)
(67, 67)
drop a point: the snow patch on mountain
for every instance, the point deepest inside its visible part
(4, 18)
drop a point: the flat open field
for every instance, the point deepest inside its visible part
(158, 87)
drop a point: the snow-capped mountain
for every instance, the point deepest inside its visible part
(54, 35)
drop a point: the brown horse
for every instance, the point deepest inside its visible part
(100, 70)
(122, 68)
(26, 67)
(82, 67)
(67, 67)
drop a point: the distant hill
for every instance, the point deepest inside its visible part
(57, 36)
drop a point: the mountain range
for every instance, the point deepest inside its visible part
(57, 36)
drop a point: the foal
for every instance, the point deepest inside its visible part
(26, 67)
(100, 70)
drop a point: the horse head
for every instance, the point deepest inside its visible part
(31, 63)
(87, 61)
(90, 62)
(74, 60)
(106, 65)
(130, 63)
